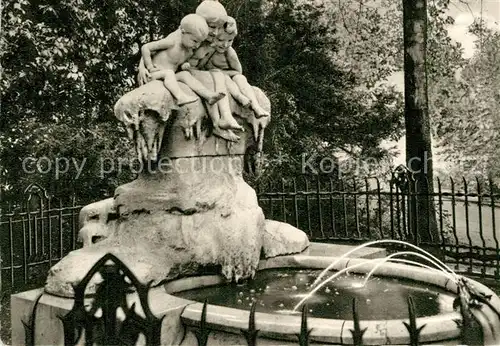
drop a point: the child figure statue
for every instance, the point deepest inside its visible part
(225, 58)
(215, 16)
(219, 111)
(172, 51)
(218, 106)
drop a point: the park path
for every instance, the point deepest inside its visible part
(478, 216)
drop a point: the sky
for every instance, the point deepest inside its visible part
(464, 15)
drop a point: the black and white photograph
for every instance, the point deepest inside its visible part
(249, 172)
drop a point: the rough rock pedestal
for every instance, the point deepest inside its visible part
(188, 210)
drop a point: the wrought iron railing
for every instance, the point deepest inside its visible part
(460, 220)
(35, 234)
(83, 324)
(43, 229)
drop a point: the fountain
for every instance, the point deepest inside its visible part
(287, 284)
(191, 228)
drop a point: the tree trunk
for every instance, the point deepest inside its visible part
(422, 213)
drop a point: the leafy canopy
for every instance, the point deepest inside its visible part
(65, 63)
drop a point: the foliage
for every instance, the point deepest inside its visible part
(370, 38)
(64, 64)
(329, 96)
(66, 159)
(466, 115)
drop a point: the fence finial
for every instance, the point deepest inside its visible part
(252, 332)
(203, 331)
(412, 326)
(29, 327)
(304, 331)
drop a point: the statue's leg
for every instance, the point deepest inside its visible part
(158, 75)
(226, 117)
(247, 90)
(171, 84)
(235, 92)
(196, 85)
(213, 112)
(210, 96)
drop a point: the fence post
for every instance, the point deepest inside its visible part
(379, 199)
(356, 215)
(251, 333)
(467, 223)
(480, 215)
(494, 230)
(344, 208)
(1, 260)
(308, 206)
(453, 212)
(332, 208)
(402, 181)
(391, 202)
(304, 330)
(367, 201)
(414, 190)
(283, 199)
(295, 204)
(441, 221)
(41, 193)
(320, 210)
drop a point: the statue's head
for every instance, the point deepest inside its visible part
(226, 36)
(215, 15)
(194, 29)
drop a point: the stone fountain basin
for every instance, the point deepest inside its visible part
(275, 329)
(226, 323)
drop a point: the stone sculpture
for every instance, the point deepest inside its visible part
(225, 58)
(194, 210)
(173, 51)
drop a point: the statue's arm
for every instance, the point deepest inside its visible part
(233, 62)
(202, 56)
(142, 73)
(193, 61)
(163, 44)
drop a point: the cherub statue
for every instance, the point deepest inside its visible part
(225, 58)
(220, 112)
(215, 16)
(173, 51)
(218, 106)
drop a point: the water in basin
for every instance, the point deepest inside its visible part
(278, 290)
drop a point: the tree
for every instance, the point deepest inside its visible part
(418, 140)
(326, 104)
(64, 64)
(64, 79)
(467, 118)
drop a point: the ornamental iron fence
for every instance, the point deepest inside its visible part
(457, 220)
(83, 324)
